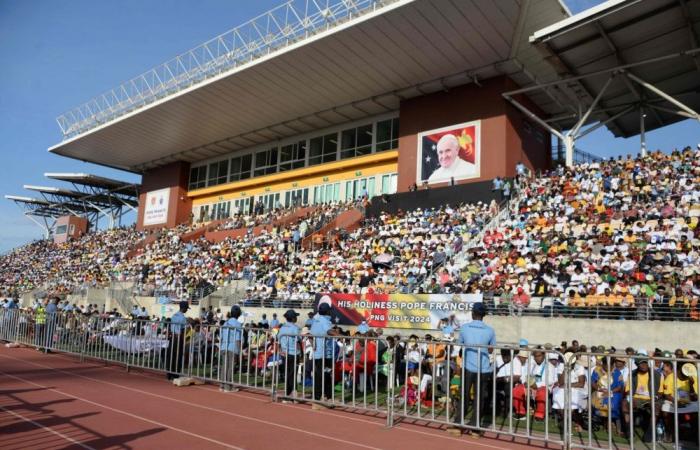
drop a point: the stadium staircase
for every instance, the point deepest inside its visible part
(139, 246)
(505, 212)
(121, 295)
(347, 220)
(218, 236)
(226, 296)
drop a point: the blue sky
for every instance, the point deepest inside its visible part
(58, 54)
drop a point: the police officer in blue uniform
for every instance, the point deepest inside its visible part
(321, 328)
(288, 337)
(475, 337)
(231, 343)
(178, 323)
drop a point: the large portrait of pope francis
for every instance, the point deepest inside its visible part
(449, 153)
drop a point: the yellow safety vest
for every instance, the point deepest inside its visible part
(40, 316)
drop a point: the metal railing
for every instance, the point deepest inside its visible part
(572, 400)
(291, 22)
(580, 156)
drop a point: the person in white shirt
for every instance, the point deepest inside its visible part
(579, 392)
(509, 364)
(540, 375)
(451, 165)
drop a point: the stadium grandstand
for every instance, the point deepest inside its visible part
(395, 170)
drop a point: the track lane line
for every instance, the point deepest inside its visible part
(345, 416)
(49, 429)
(221, 411)
(126, 413)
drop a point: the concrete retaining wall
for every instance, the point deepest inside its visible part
(537, 330)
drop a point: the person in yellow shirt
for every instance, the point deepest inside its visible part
(644, 382)
(574, 301)
(679, 393)
(592, 302)
(541, 222)
(630, 237)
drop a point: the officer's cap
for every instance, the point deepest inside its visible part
(291, 314)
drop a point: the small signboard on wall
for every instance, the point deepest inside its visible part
(155, 212)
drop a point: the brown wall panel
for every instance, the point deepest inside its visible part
(503, 139)
(175, 177)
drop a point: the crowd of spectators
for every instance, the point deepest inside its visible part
(62, 268)
(409, 252)
(620, 235)
(179, 269)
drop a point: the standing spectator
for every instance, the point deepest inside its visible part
(51, 310)
(506, 190)
(178, 323)
(231, 338)
(323, 352)
(497, 186)
(289, 347)
(475, 336)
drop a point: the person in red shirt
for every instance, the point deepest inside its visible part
(359, 365)
(521, 299)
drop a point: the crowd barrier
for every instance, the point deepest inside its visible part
(573, 400)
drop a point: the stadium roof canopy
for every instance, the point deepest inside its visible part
(302, 67)
(630, 65)
(92, 197)
(40, 206)
(97, 182)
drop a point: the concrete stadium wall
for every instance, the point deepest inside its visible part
(432, 198)
(537, 330)
(618, 333)
(541, 330)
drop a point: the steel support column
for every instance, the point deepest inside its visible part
(642, 136)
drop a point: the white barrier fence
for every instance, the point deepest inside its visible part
(528, 394)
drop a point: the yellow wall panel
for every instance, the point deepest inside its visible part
(365, 166)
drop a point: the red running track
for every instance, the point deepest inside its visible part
(55, 402)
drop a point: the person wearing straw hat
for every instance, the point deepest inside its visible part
(638, 395)
(522, 368)
(679, 392)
